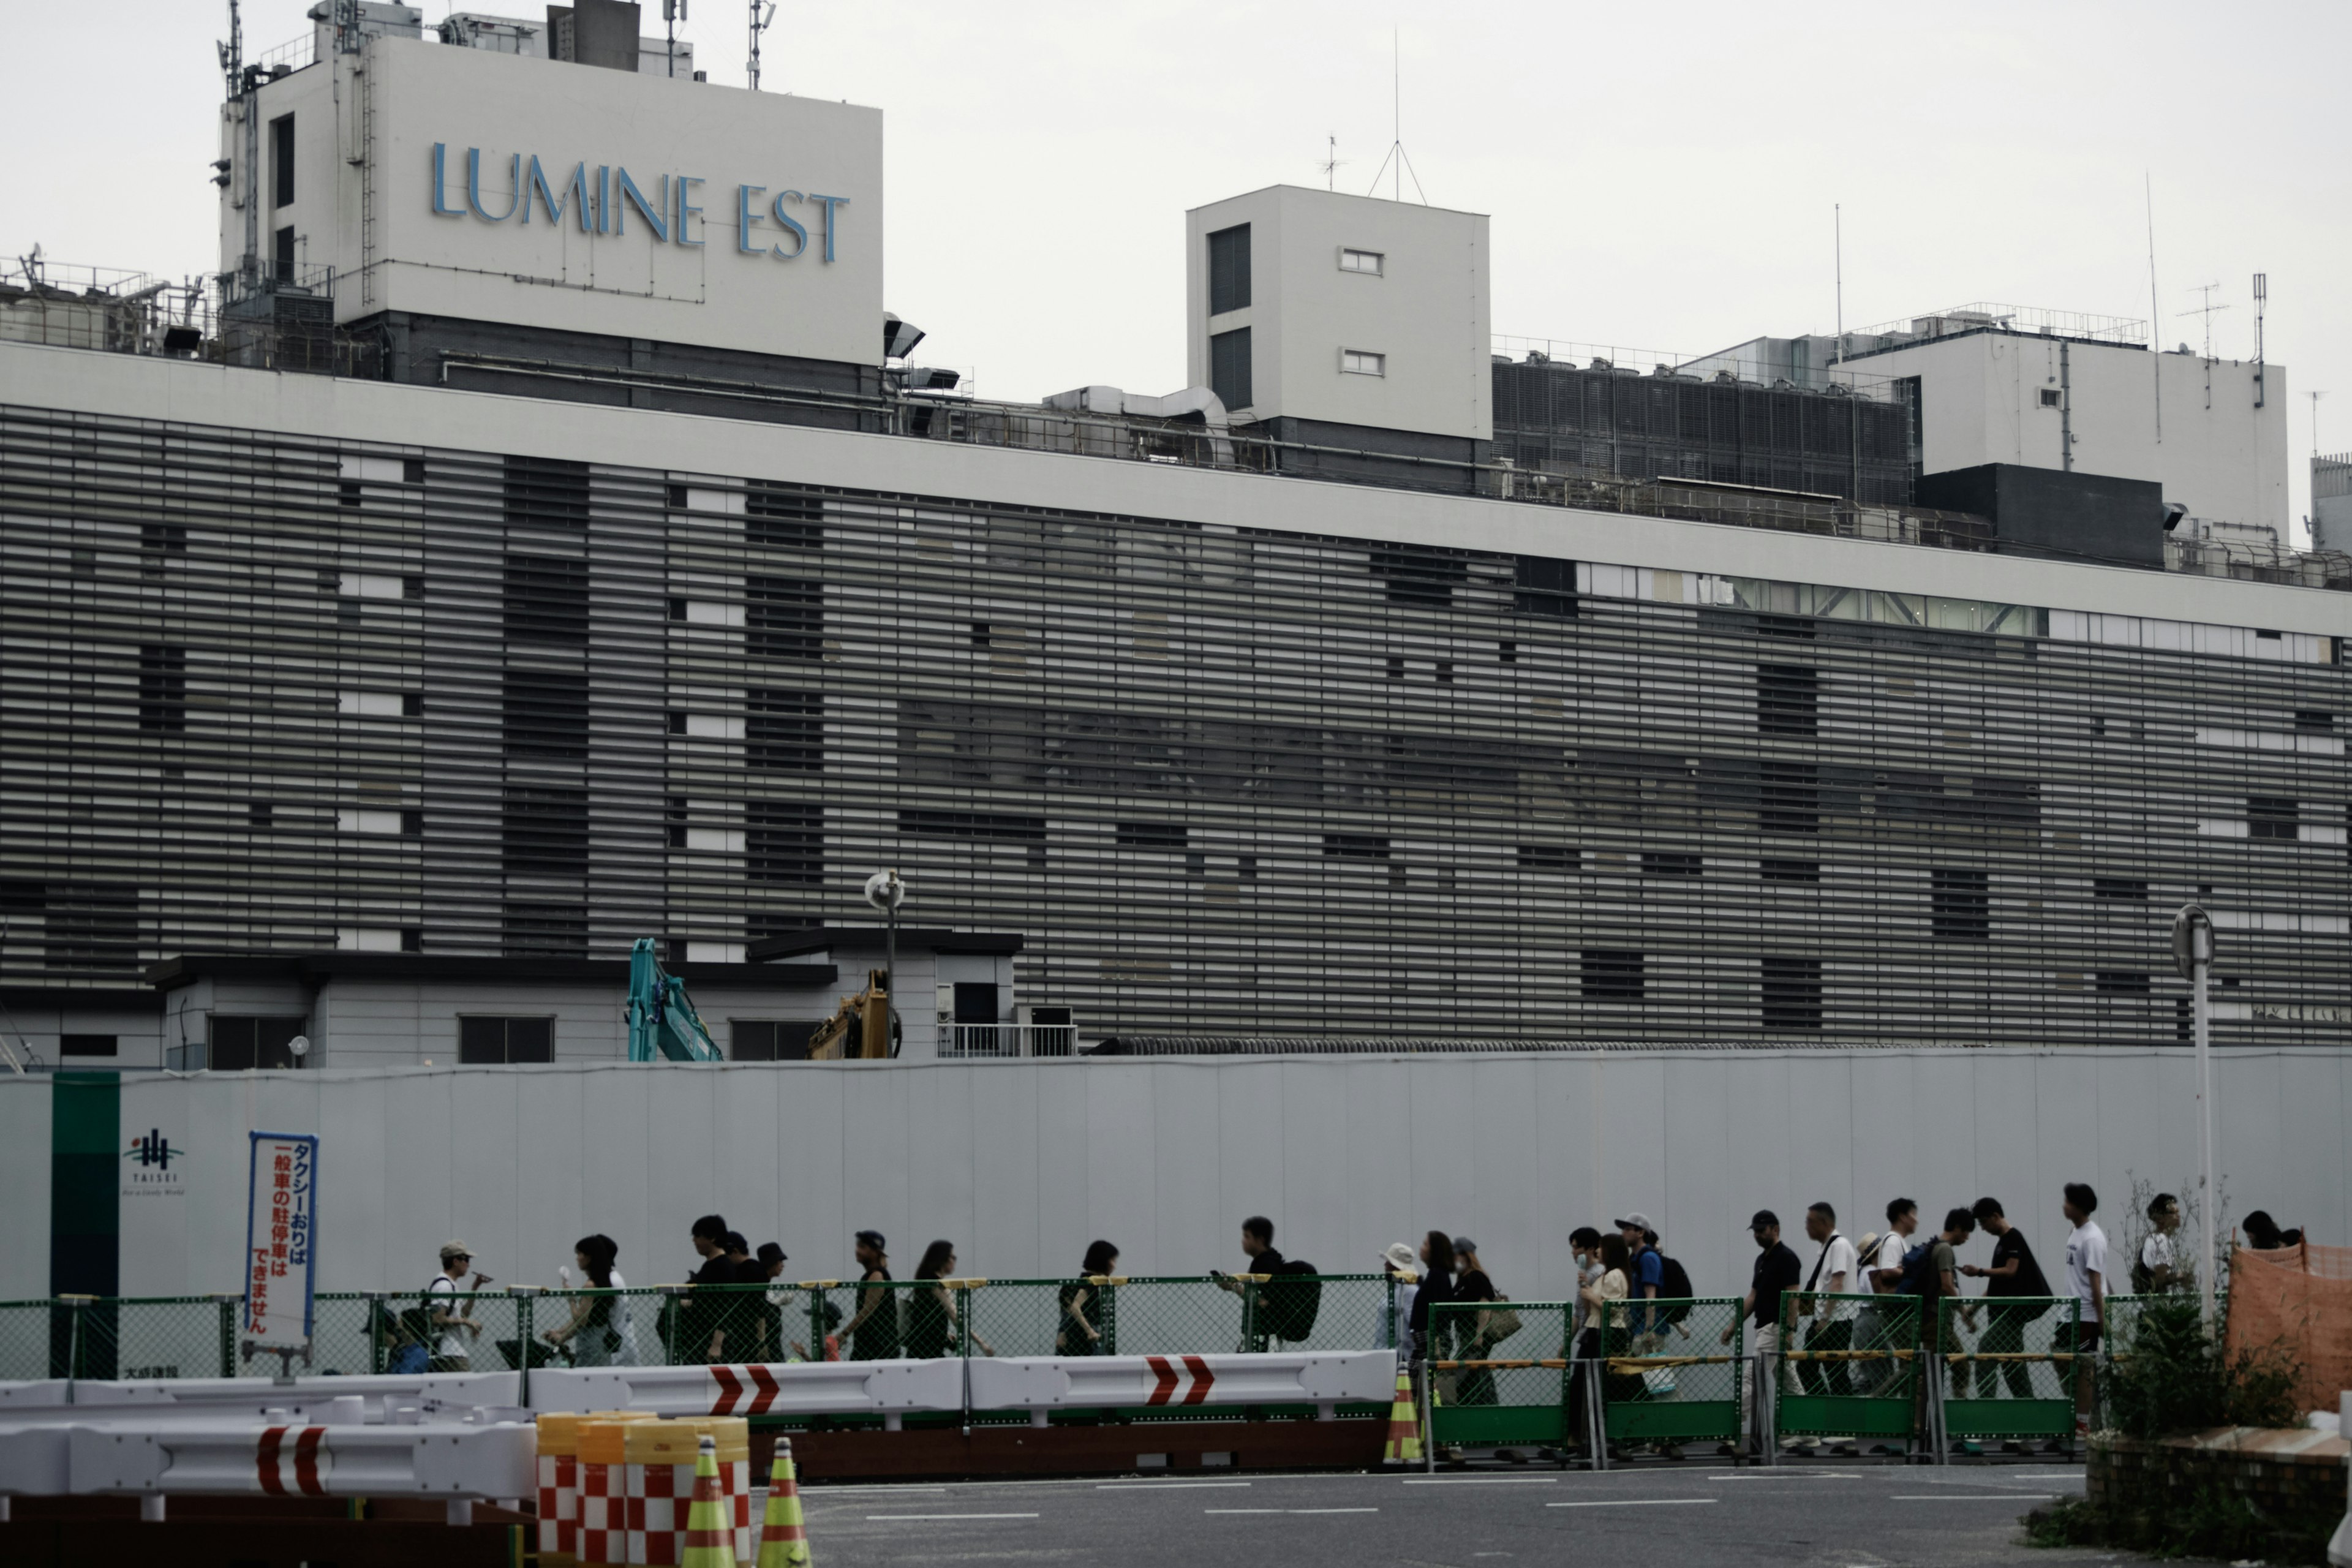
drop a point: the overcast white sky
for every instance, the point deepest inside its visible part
(1659, 175)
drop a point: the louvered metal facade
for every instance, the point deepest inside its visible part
(262, 692)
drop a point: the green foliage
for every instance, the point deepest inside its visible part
(2206, 1522)
(2167, 1375)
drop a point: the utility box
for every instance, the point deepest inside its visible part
(1342, 316)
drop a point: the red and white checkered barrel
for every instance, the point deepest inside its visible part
(599, 1525)
(660, 1485)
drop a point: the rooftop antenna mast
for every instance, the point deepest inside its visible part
(2206, 311)
(2155, 311)
(762, 15)
(1330, 164)
(2261, 301)
(673, 12)
(233, 67)
(1402, 164)
(1837, 243)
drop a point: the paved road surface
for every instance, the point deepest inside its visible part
(1860, 1517)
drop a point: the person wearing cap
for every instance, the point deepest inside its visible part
(874, 1334)
(1647, 1274)
(452, 1317)
(1398, 1261)
(1777, 1270)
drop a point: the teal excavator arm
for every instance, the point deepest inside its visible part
(662, 1019)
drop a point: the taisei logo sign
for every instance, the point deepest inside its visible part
(149, 1166)
(599, 202)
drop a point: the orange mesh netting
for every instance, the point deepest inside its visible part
(2301, 1298)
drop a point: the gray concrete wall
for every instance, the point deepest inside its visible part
(1022, 1163)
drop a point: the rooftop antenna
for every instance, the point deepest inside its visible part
(1403, 165)
(1330, 164)
(1837, 241)
(2155, 311)
(673, 12)
(2315, 422)
(762, 15)
(2206, 309)
(232, 53)
(2262, 300)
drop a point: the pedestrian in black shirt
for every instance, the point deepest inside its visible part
(2013, 1273)
(701, 1332)
(1257, 1246)
(1471, 1338)
(1437, 1285)
(1085, 1304)
(1777, 1270)
(874, 1332)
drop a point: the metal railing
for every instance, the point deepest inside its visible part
(523, 1328)
(1009, 1040)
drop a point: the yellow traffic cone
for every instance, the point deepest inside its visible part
(783, 1538)
(710, 1532)
(1405, 1426)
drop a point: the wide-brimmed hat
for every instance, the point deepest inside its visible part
(1400, 1257)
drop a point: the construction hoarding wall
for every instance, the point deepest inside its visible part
(1021, 1164)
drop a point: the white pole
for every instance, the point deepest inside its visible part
(2200, 937)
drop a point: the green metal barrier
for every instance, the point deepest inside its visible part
(1852, 1367)
(1492, 1388)
(1667, 1375)
(2006, 1365)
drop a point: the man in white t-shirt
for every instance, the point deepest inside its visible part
(454, 1349)
(2086, 1275)
(1881, 1271)
(1834, 1272)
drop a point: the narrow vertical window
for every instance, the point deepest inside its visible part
(1229, 270)
(281, 162)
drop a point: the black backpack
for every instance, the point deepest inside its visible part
(1292, 1300)
(1919, 1272)
(1673, 1285)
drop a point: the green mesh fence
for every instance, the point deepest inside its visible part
(1669, 1374)
(2005, 1367)
(25, 1340)
(1851, 1366)
(1497, 1374)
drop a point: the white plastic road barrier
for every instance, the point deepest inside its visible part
(449, 1461)
(32, 1460)
(322, 1401)
(1042, 1384)
(41, 1394)
(792, 1388)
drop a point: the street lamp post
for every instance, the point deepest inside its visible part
(2192, 954)
(885, 890)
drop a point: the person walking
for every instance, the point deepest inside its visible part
(1835, 1268)
(1086, 1302)
(1605, 1334)
(1473, 1333)
(767, 1307)
(451, 1319)
(932, 1326)
(874, 1334)
(701, 1332)
(600, 1329)
(1396, 1323)
(1939, 1284)
(1257, 1246)
(2086, 1277)
(1775, 1273)
(1437, 1286)
(1645, 1275)
(2158, 1266)
(2012, 1274)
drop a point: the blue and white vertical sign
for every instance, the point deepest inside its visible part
(281, 1239)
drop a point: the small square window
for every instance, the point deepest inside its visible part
(676, 721)
(1508, 653)
(1445, 670)
(412, 705)
(1371, 261)
(1357, 361)
(2050, 397)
